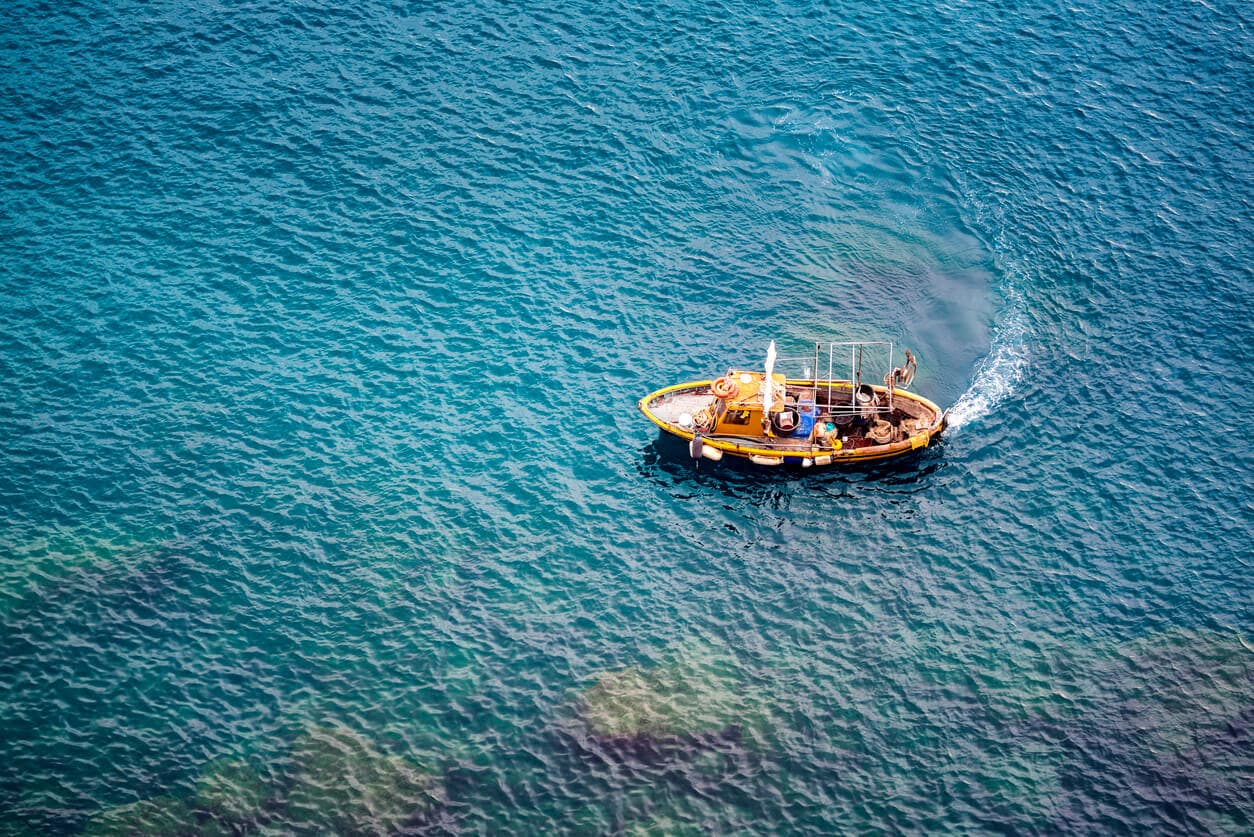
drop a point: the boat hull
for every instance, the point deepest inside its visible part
(666, 407)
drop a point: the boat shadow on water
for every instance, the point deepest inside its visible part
(666, 461)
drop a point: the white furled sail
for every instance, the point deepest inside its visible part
(767, 385)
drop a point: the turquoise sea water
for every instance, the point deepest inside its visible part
(321, 328)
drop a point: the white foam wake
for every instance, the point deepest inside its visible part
(1002, 368)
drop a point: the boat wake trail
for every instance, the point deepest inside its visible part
(1002, 368)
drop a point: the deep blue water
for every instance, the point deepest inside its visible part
(321, 328)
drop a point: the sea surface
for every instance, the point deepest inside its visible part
(325, 506)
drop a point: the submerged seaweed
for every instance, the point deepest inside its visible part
(230, 792)
(694, 695)
(1181, 706)
(64, 557)
(341, 782)
(161, 816)
(230, 797)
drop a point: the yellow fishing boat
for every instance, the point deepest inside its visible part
(813, 419)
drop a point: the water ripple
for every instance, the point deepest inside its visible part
(325, 506)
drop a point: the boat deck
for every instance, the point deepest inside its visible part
(835, 405)
(769, 417)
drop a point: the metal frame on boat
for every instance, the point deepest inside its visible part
(770, 418)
